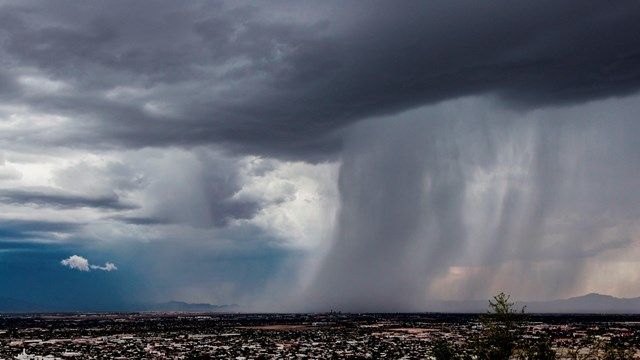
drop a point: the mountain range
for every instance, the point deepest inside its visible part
(10, 305)
(186, 307)
(587, 304)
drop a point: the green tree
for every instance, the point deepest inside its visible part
(588, 350)
(618, 349)
(444, 350)
(537, 349)
(501, 329)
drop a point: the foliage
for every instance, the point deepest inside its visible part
(583, 354)
(614, 349)
(617, 349)
(537, 349)
(502, 338)
(444, 350)
(501, 330)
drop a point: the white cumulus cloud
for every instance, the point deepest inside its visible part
(76, 262)
(108, 266)
(82, 264)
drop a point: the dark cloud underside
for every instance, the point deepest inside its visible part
(42, 197)
(244, 76)
(20, 230)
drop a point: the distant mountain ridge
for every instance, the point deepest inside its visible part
(11, 305)
(592, 303)
(589, 303)
(185, 306)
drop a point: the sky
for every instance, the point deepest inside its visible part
(307, 156)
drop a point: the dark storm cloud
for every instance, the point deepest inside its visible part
(246, 77)
(50, 197)
(224, 211)
(198, 189)
(20, 230)
(221, 181)
(140, 220)
(8, 87)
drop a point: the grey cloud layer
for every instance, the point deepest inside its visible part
(157, 73)
(55, 198)
(13, 232)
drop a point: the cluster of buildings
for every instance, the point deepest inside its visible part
(275, 336)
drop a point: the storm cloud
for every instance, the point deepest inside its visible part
(55, 198)
(281, 80)
(14, 230)
(400, 152)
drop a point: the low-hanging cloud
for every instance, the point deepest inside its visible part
(50, 197)
(243, 76)
(82, 264)
(35, 230)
